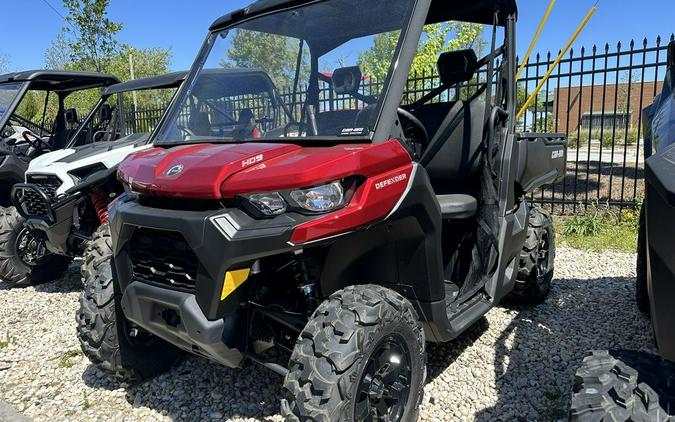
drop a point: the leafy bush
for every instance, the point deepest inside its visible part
(606, 136)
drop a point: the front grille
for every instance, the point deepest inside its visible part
(47, 184)
(163, 258)
(34, 204)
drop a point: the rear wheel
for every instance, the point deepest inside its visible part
(535, 272)
(360, 358)
(641, 291)
(24, 259)
(623, 386)
(107, 338)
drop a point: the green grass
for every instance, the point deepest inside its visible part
(599, 229)
(85, 402)
(4, 343)
(66, 359)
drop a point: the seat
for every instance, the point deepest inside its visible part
(200, 123)
(453, 159)
(457, 206)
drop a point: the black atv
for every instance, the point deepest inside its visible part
(22, 140)
(349, 230)
(632, 386)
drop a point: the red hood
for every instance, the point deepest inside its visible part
(202, 167)
(209, 171)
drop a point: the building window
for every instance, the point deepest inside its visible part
(607, 120)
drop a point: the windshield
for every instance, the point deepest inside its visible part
(8, 93)
(317, 71)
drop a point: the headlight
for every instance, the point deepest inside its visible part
(321, 198)
(270, 204)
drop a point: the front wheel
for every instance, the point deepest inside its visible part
(24, 259)
(537, 258)
(360, 358)
(107, 338)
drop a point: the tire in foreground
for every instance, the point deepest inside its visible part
(623, 386)
(360, 357)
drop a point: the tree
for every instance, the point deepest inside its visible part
(436, 39)
(58, 55)
(276, 54)
(92, 35)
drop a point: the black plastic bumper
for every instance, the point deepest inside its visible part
(221, 240)
(660, 220)
(148, 305)
(55, 218)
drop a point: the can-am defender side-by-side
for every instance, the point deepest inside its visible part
(65, 198)
(24, 137)
(626, 385)
(349, 231)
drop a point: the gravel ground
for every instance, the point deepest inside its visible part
(515, 364)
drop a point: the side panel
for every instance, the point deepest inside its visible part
(403, 252)
(541, 159)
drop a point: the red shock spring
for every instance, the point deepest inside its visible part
(100, 201)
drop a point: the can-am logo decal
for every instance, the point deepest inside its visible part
(391, 181)
(175, 170)
(560, 153)
(252, 160)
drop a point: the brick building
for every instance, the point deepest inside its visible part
(588, 107)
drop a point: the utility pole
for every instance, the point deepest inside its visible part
(133, 77)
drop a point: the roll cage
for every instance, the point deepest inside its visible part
(167, 81)
(497, 13)
(60, 83)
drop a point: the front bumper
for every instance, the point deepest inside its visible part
(53, 218)
(150, 307)
(220, 241)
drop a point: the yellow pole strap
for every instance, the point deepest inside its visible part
(526, 59)
(555, 64)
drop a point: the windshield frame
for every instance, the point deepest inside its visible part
(23, 88)
(392, 91)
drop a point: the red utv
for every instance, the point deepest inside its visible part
(350, 230)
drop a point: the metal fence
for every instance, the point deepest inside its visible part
(595, 96)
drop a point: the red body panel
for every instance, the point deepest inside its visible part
(204, 167)
(372, 201)
(309, 167)
(208, 171)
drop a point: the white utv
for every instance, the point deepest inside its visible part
(65, 197)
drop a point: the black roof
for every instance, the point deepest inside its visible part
(60, 80)
(477, 11)
(169, 80)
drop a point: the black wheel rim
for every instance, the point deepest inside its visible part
(384, 388)
(543, 256)
(31, 251)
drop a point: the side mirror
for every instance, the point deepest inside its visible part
(671, 55)
(347, 80)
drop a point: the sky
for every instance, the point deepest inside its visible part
(181, 25)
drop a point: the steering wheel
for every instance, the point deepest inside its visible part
(36, 142)
(417, 131)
